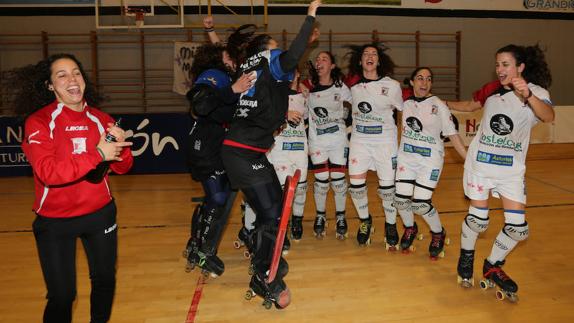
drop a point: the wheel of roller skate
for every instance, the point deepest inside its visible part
(466, 283)
(513, 298)
(246, 254)
(420, 236)
(447, 241)
(249, 294)
(237, 244)
(285, 252)
(251, 271)
(189, 267)
(499, 295)
(484, 284)
(185, 253)
(267, 304)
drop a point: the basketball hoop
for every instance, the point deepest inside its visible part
(139, 18)
(138, 13)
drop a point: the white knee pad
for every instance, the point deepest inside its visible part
(476, 223)
(517, 232)
(358, 191)
(321, 187)
(402, 202)
(421, 207)
(386, 193)
(301, 189)
(339, 185)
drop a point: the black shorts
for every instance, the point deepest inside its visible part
(204, 152)
(246, 168)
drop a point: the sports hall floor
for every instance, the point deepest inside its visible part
(330, 280)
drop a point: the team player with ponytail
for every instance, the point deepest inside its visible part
(329, 103)
(420, 159)
(495, 161)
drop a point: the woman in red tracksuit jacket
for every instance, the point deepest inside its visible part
(64, 142)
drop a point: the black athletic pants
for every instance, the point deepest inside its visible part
(56, 242)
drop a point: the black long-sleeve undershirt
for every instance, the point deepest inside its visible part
(290, 58)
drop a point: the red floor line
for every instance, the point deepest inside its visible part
(195, 301)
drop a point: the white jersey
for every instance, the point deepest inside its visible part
(373, 105)
(290, 150)
(423, 122)
(293, 137)
(327, 113)
(500, 146)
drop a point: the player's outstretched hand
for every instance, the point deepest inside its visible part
(315, 35)
(208, 22)
(312, 11)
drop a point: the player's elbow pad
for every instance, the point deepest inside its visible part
(203, 99)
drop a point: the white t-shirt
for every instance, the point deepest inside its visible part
(500, 146)
(293, 137)
(373, 105)
(423, 122)
(327, 113)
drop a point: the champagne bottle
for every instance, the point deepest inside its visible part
(97, 174)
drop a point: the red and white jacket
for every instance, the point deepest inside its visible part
(60, 145)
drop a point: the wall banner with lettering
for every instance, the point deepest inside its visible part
(182, 59)
(160, 143)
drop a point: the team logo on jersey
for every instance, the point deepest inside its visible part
(501, 124)
(364, 107)
(384, 91)
(321, 112)
(415, 124)
(337, 97)
(212, 80)
(434, 109)
(79, 145)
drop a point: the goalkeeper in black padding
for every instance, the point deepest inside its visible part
(213, 99)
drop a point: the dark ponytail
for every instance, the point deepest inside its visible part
(535, 67)
(336, 73)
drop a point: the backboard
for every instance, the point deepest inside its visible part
(139, 14)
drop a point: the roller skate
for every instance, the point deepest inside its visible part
(286, 246)
(195, 234)
(465, 268)
(436, 246)
(408, 237)
(243, 237)
(188, 248)
(341, 230)
(210, 264)
(391, 237)
(319, 225)
(296, 228)
(365, 231)
(275, 293)
(282, 270)
(495, 276)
